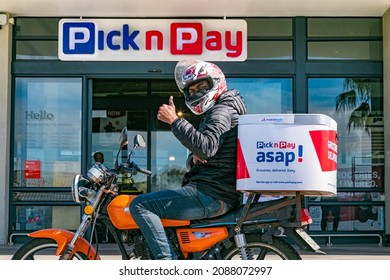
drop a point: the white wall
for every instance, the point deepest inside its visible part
(386, 109)
(5, 124)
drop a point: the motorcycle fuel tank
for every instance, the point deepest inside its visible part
(120, 216)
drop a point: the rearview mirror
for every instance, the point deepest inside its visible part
(139, 141)
(123, 141)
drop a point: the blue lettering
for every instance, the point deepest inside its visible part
(270, 157)
(78, 38)
(279, 157)
(101, 40)
(128, 39)
(290, 157)
(113, 39)
(284, 157)
(262, 145)
(260, 157)
(110, 40)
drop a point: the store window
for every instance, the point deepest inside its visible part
(344, 27)
(264, 95)
(47, 140)
(272, 50)
(119, 103)
(32, 50)
(270, 38)
(36, 38)
(47, 152)
(34, 217)
(356, 50)
(344, 39)
(356, 104)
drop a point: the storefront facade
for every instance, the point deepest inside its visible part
(57, 112)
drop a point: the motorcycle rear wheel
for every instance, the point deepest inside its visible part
(278, 250)
(42, 249)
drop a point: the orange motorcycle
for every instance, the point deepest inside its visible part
(254, 231)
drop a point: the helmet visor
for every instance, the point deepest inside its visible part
(197, 90)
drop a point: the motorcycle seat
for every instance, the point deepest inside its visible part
(275, 214)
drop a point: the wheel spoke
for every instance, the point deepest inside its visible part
(262, 254)
(278, 249)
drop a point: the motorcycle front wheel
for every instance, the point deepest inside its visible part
(42, 249)
(260, 250)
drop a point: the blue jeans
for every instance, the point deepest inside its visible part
(186, 203)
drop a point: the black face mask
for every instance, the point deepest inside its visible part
(197, 95)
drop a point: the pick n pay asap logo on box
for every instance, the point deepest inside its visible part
(287, 153)
(152, 40)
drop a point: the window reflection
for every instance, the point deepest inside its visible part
(264, 95)
(356, 104)
(339, 217)
(107, 126)
(36, 217)
(47, 147)
(170, 161)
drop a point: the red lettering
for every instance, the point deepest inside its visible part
(214, 41)
(186, 38)
(237, 48)
(153, 34)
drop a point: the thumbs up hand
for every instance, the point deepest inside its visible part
(167, 112)
(171, 102)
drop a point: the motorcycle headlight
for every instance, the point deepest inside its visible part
(82, 189)
(97, 173)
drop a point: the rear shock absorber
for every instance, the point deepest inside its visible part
(240, 240)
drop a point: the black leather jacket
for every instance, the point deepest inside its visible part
(215, 141)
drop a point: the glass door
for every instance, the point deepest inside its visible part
(134, 103)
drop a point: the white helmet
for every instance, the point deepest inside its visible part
(191, 71)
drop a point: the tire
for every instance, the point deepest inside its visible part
(42, 249)
(278, 250)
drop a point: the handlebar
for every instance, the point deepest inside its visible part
(133, 168)
(145, 171)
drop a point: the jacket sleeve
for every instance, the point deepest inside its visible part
(189, 162)
(206, 141)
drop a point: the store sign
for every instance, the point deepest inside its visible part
(152, 40)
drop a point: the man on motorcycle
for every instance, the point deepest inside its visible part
(209, 187)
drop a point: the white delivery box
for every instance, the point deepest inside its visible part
(283, 154)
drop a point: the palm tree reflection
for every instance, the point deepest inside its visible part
(357, 97)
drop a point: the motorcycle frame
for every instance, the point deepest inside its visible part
(245, 216)
(65, 238)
